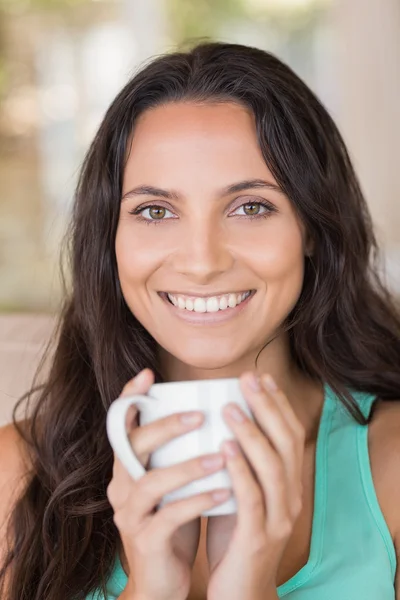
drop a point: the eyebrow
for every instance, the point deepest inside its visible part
(149, 190)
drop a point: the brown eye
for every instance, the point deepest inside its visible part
(157, 212)
(254, 208)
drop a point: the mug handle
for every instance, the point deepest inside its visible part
(118, 436)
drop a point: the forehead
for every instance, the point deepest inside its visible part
(196, 136)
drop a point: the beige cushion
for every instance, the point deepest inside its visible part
(22, 342)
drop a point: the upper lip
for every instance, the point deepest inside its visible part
(209, 295)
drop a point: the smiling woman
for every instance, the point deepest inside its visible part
(260, 262)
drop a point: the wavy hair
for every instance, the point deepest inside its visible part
(344, 329)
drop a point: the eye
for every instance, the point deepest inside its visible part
(251, 209)
(156, 213)
(257, 209)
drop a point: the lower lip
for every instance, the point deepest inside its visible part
(206, 318)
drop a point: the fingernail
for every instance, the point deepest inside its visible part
(220, 495)
(236, 413)
(269, 383)
(191, 418)
(212, 462)
(254, 382)
(231, 448)
(140, 378)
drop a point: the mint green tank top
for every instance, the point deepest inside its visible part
(352, 554)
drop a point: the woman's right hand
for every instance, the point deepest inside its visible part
(160, 545)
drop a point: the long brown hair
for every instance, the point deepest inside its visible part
(344, 330)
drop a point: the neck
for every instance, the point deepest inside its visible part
(275, 359)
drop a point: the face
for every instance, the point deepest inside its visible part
(195, 235)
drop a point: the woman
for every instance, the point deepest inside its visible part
(215, 172)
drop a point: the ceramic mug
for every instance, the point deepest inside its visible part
(208, 396)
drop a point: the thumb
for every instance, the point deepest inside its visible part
(140, 384)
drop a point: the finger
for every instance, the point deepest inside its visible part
(268, 407)
(147, 438)
(249, 496)
(140, 384)
(185, 540)
(120, 484)
(287, 411)
(175, 514)
(144, 441)
(279, 404)
(147, 492)
(265, 461)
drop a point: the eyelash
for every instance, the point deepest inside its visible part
(137, 212)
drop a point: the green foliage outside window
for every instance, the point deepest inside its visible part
(191, 20)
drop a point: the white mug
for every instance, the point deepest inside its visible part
(208, 396)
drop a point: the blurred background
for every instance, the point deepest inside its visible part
(63, 61)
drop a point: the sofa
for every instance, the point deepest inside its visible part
(23, 338)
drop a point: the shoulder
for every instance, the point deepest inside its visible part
(14, 466)
(14, 453)
(384, 451)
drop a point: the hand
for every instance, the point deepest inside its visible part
(265, 465)
(160, 545)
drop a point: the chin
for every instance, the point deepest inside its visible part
(207, 359)
(207, 362)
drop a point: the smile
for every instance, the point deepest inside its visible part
(196, 310)
(210, 304)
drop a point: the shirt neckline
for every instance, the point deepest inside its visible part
(319, 509)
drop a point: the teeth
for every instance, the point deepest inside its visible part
(223, 303)
(200, 305)
(232, 300)
(213, 304)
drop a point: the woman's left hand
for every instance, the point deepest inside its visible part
(265, 465)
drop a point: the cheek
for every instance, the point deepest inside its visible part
(135, 258)
(134, 264)
(278, 260)
(278, 253)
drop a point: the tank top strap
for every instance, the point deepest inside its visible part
(364, 400)
(354, 518)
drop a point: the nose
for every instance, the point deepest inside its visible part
(203, 253)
